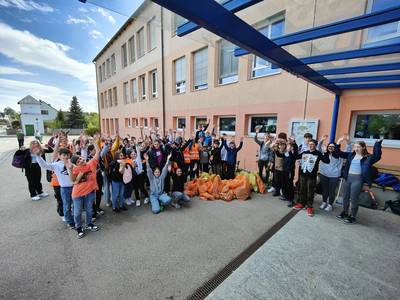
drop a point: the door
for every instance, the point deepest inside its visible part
(29, 130)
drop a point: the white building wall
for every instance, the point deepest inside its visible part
(32, 119)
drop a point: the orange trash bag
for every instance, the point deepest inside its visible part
(243, 191)
(228, 196)
(216, 186)
(260, 184)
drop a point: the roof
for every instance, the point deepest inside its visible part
(28, 100)
(136, 13)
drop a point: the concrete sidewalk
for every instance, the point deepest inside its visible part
(322, 258)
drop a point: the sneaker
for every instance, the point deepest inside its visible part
(100, 211)
(128, 202)
(116, 210)
(92, 227)
(271, 190)
(93, 218)
(108, 204)
(328, 208)
(283, 199)
(80, 234)
(342, 216)
(138, 203)
(350, 220)
(290, 204)
(42, 195)
(63, 219)
(124, 208)
(71, 226)
(276, 194)
(310, 211)
(298, 206)
(323, 205)
(146, 200)
(36, 198)
(176, 205)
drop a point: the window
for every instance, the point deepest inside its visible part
(134, 90)
(105, 99)
(128, 122)
(228, 63)
(126, 93)
(135, 122)
(200, 121)
(180, 75)
(373, 125)
(140, 42)
(142, 87)
(153, 77)
(115, 95)
(102, 101)
(131, 44)
(265, 123)
(227, 125)
(108, 125)
(110, 98)
(124, 56)
(271, 28)
(113, 65)
(44, 112)
(156, 123)
(103, 67)
(152, 34)
(100, 74)
(145, 123)
(116, 125)
(200, 69)
(178, 21)
(108, 68)
(181, 123)
(383, 34)
(112, 126)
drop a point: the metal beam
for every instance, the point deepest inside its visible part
(364, 52)
(335, 113)
(233, 6)
(370, 85)
(360, 69)
(216, 19)
(348, 25)
(365, 79)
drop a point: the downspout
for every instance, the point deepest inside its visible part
(162, 70)
(97, 96)
(335, 114)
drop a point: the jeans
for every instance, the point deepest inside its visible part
(329, 185)
(155, 200)
(117, 192)
(67, 204)
(307, 189)
(261, 165)
(87, 201)
(106, 187)
(352, 190)
(179, 196)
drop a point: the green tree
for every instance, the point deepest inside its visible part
(10, 112)
(75, 118)
(60, 119)
(92, 123)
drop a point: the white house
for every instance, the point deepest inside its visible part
(34, 113)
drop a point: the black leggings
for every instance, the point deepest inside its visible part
(138, 185)
(230, 171)
(57, 195)
(34, 175)
(96, 204)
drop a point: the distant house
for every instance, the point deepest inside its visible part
(34, 113)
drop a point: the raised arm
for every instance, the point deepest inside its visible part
(377, 152)
(44, 164)
(240, 145)
(104, 151)
(164, 171)
(97, 148)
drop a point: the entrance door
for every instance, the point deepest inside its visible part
(29, 130)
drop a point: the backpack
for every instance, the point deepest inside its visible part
(127, 176)
(394, 206)
(386, 179)
(20, 159)
(367, 199)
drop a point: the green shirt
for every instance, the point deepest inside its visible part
(20, 136)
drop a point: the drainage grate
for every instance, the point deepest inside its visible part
(206, 289)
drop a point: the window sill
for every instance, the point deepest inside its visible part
(230, 133)
(228, 83)
(176, 94)
(266, 75)
(199, 90)
(152, 49)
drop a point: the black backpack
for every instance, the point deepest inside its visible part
(20, 159)
(394, 206)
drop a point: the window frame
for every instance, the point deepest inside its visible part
(153, 84)
(261, 134)
(113, 65)
(124, 55)
(134, 96)
(197, 118)
(103, 65)
(132, 49)
(100, 73)
(203, 86)
(115, 95)
(108, 67)
(125, 92)
(139, 43)
(231, 79)
(181, 84)
(110, 98)
(142, 79)
(231, 133)
(151, 28)
(177, 123)
(102, 100)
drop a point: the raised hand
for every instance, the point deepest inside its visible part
(146, 156)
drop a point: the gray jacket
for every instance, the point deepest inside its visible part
(334, 168)
(157, 183)
(265, 149)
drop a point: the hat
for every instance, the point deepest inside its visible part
(74, 159)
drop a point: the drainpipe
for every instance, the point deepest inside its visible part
(97, 96)
(335, 113)
(162, 70)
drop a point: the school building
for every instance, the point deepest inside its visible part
(147, 76)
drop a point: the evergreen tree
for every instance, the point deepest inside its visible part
(60, 119)
(75, 118)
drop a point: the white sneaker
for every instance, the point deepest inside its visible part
(138, 203)
(271, 189)
(128, 202)
(108, 204)
(146, 200)
(36, 198)
(63, 219)
(42, 195)
(323, 205)
(329, 208)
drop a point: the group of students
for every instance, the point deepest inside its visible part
(157, 167)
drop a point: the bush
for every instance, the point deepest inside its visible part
(92, 131)
(15, 124)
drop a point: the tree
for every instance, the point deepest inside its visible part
(8, 111)
(75, 118)
(15, 124)
(60, 119)
(92, 123)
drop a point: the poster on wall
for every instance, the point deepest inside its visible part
(298, 128)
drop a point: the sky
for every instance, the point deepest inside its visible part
(47, 48)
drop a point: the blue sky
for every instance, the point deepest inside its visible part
(47, 47)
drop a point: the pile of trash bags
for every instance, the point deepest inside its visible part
(212, 187)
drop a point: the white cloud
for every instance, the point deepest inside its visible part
(82, 9)
(85, 21)
(28, 5)
(24, 47)
(105, 14)
(95, 34)
(13, 71)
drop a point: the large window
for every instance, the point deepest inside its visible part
(115, 95)
(200, 121)
(102, 101)
(142, 80)
(113, 65)
(227, 125)
(140, 42)
(108, 67)
(110, 98)
(103, 67)
(134, 90)
(153, 78)
(126, 92)
(156, 125)
(152, 34)
(264, 123)
(105, 99)
(145, 123)
(386, 33)
(131, 44)
(271, 28)
(370, 126)
(181, 123)
(228, 63)
(44, 112)
(180, 75)
(100, 74)
(200, 69)
(124, 56)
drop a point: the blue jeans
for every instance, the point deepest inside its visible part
(106, 188)
(179, 196)
(117, 192)
(155, 200)
(67, 204)
(78, 204)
